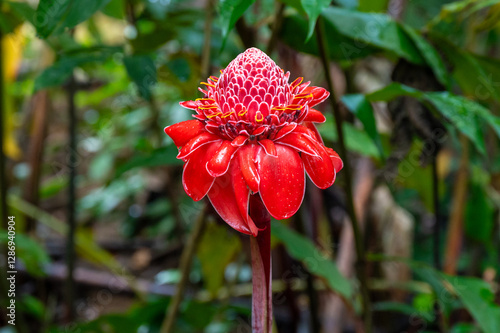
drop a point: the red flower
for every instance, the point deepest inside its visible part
(254, 133)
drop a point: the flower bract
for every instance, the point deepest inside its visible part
(254, 133)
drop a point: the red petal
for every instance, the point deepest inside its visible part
(189, 105)
(336, 160)
(248, 168)
(195, 180)
(239, 140)
(229, 196)
(184, 131)
(314, 132)
(268, 146)
(319, 95)
(282, 182)
(320, 168)
(196, 143)
(300, 142)
(219, 163)
(285, 130)
(314, 116)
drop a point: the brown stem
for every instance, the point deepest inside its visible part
(246, 33)
(185, 267)
(455, 229)
(358, 237)
(437, 220)
(71, 218)
(40, 110)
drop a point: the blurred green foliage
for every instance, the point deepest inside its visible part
(134, 60)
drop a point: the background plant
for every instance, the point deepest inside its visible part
(87, 87)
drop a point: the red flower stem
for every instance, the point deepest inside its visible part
(358, 237)
(260, 248)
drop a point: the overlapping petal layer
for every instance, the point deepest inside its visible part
(254, 136)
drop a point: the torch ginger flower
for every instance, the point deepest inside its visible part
(254, 133)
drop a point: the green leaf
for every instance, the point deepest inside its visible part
(404, 308)
(22, 10)
(57, 74)
(431, 56)
(158, 157)
(303, 250)
(462, 112)
(81, 10)
(294, 32)
(477, 76)
(356, 140)
(55, 16)
(31, 253)
(461, 9)
(373, 5)
(142, 71)
(359, 106)
(313, 9)
(373, 29)
(479, 299)
(392, 91)
(230, 11)
(479, 214)
(218, 246)
(48, 15)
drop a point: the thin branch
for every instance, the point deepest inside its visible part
(358, 237)
(185, 267)
(437, 220)
(3, 177)
(71, 211)
(455, 229)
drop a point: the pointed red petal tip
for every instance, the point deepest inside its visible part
(315, 116)
(192, 105)
(219, 163)
(195, 180)
(184, 131)
(336, 160)
(196, 142)
(230, 196)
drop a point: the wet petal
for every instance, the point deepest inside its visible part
(319, 95)
(336, 160)
(320, 168)
(282, 182)
(196, 143)
(314, 131)
(314, 116)
(285, 130)
(195, 179)
(301, 142)
(184, 131)
(268, 146)
(219, 163)
(239, 140)
(248, 167)
(229, 196)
